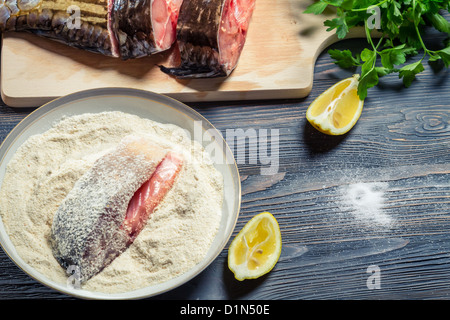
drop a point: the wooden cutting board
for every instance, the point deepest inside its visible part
(277, 62)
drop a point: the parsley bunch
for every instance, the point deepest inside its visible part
(401, 25)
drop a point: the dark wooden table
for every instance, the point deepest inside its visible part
(331, 250)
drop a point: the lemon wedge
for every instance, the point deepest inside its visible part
(337, 109)
(256, 248)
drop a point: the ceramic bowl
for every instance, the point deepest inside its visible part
(146, 105)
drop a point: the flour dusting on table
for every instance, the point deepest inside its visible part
(44, 169)
(366, 202)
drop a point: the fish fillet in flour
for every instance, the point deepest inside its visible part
(110, 204)
(119, 28)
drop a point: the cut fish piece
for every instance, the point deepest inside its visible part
(119, 28)
(82, 23)
(87, 230)
(211, 35)
(144, 27)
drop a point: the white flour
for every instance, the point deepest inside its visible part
(44, 169)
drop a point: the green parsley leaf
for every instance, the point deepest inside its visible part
(439, 22)
(369, 75)
(316, 8)
(368, 56)
(382, 71)
(339, 24)
(344, 58)
(408, 72)
(367, 81)
(347, 4)
(393, 57)
(393, 18)
(445, 55)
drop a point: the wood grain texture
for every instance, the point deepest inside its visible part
(402, 141)
(277, 62)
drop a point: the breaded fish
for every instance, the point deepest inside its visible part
(109, 205)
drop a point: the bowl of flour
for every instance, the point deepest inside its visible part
(47, 152)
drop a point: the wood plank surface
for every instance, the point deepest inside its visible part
(277, 62)
(400, 145)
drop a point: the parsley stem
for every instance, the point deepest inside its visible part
(378, 44)
(369, 38)
(421, 41)
(416, 24)
(374, 5)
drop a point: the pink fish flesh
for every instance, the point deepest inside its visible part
(151, 193)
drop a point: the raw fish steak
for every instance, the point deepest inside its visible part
(211, 35)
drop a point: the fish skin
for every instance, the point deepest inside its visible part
(56, 24)
(131, 22)
(197, 37)
(87, 229)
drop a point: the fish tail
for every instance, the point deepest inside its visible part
(186, 72)
(82, 24)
